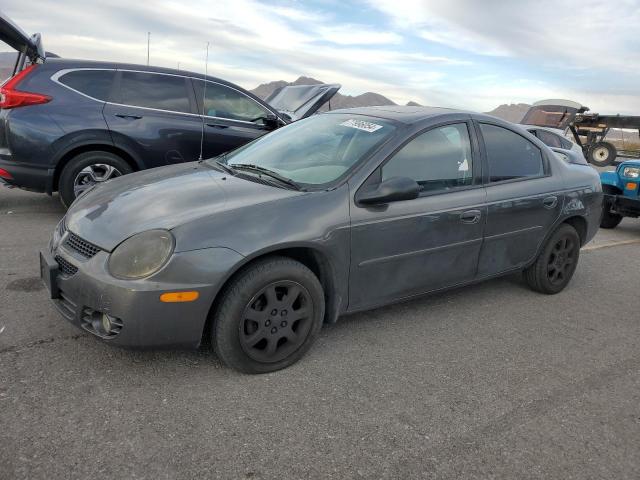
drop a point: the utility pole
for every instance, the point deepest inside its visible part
(148, 45)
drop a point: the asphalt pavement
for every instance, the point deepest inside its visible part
(486, 381)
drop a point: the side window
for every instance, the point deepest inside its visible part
(438, 159)
(151, 90)
(510, 155)
(222, 101)
(549, 139)
(95, 83)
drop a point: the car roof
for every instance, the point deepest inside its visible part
(60, 63)
(412, 114)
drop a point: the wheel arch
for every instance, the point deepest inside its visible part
(312, 257)
(580, 224)
(68, 155)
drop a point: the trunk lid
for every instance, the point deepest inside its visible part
(300, 101)
(29, 46)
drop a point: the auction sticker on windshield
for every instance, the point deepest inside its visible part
(361, 125)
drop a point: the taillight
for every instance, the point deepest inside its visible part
(6, 175)
(12, 98)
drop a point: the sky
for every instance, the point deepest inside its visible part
(472, 54)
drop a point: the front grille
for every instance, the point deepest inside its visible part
(84, 248)
(66, 268)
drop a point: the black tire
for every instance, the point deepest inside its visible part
(556, 263)
(609, 219)
(257, 328)
(70, 173)
(602, 154)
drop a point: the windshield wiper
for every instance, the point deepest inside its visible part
(225, 167)
(270, 173)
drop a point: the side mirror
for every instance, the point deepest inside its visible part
(391, 190)
(271, 121)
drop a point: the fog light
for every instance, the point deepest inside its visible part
(106, 323)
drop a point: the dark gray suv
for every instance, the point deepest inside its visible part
(66, 125)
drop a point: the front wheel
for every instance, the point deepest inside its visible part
(269, 316)
(609, 219)
(556, 263)
(87, 169)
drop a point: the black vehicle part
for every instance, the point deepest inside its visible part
(87, 169)
(556, 263)
(269, 315)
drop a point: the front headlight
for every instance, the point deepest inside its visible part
(631, 172)
(141, 255)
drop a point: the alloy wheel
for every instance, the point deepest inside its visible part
(276, 321)
(92, 174)
(561, 260)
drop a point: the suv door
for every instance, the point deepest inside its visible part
(231, 118)
(524, 199)
(153, 115)
(409, 247)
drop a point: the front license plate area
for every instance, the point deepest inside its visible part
(49, 274)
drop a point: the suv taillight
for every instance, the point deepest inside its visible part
(12, 98)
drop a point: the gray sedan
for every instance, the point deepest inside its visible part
(341, 212)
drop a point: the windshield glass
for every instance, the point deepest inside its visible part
(317, 150)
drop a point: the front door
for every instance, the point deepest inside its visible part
(231, 118)
(410, 247)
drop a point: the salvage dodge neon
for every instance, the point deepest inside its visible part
(337, 213)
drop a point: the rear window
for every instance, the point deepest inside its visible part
(151, 90)
(95, 83)
(510, 156)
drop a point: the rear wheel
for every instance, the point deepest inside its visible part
(87, 169)
(602, 154)
(556, 263)
(268, 316)
(609, 219)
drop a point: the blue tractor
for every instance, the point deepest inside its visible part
(621, 197)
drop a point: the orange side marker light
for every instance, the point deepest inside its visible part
(175, 297)
(631, 186)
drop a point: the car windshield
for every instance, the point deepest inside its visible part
(314, 151)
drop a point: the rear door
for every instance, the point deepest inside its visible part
(231, 117)
(154, 115)
(524, 199)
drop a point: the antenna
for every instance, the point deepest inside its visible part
(204, 96)
(148, 45)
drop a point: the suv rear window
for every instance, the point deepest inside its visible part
(95, 83)
(152, 90)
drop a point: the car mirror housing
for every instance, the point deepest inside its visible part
(391, 190)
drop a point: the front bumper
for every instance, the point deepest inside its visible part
(623, 205)
(145, 320)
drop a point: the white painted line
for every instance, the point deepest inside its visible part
(611, 244)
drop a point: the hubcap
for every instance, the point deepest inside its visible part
(601, 153)
(561, 260)
(89, 176)
(276, 321)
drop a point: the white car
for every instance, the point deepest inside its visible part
(554, 138)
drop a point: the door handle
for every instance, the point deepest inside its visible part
(216, 125)
(130, 117)
(470, 216)
(550, 202)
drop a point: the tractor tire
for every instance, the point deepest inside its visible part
(602, 154)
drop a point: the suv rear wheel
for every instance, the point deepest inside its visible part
(87, 169)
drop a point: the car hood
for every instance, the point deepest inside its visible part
(163, 197)
(301, 101)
